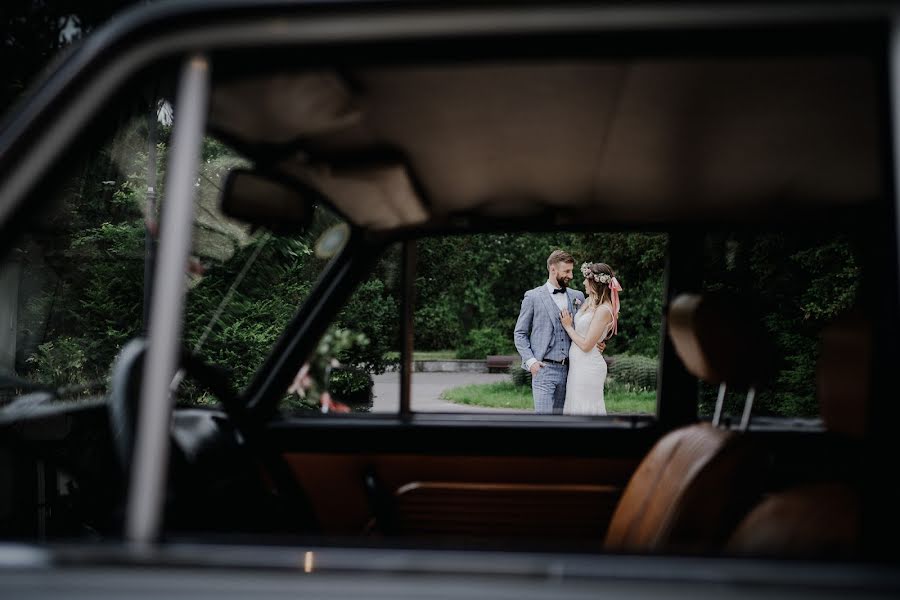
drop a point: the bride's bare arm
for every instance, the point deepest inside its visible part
(599, 322)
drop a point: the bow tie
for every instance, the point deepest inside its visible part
(559, 291)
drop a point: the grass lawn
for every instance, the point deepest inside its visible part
(434, 354)
(506, 395)
(424, 355)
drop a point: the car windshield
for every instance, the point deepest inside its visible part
(76, 288)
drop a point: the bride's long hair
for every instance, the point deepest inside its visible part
(601, 291)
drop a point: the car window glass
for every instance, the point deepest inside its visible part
(796, 283)
(73, 288)
(245, 284)
(354, 367)
(469, 295)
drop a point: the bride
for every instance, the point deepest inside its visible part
(596, 320)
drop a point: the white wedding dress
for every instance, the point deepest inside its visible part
(587, 371)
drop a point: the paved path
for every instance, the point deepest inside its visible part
(426, 391)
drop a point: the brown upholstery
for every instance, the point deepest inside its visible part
(811, 521)
(499, 493)
(688, 493)
(572, 512)
(698, 481)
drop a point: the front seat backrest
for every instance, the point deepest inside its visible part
(696, 482)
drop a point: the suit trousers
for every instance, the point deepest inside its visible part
(548, 388)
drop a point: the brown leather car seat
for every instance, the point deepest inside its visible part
(819, 520)
(697, 481)
(822, 519)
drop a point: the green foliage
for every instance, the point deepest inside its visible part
(625, 399)
(627, 373)
(213, 149)
(467, 283)
(492, 395)
(262, 305)
(59, 362)
(798, 282)
(474, 282)
(437, 326)
(520, 377)
(638, 260)
(349, 386)
(256, 312)
(373, 311)
(353, 388)
(634, 371)
(480, 343)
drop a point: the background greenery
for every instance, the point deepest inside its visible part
(796, 282)
(469, 289)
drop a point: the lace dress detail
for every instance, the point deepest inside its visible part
(587, 371)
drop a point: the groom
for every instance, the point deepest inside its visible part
(539, 335)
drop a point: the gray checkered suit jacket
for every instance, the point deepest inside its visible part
(539, 333)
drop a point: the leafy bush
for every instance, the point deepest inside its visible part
(480, 343)
(629, 372)
(519, 376)
(59, 362)
(353, 388)
(372, 311)
(325, 373)
(436, 327)
(634, 370)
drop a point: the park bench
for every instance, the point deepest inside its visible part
(500, 363)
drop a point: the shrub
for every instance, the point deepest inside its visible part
(480, 343)
(636, 371)
(371, 311)
(353, 388)
(519, 376)
(60, 362)
(350, 385)
(436, 327)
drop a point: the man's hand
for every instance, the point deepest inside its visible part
(601, 345)
(535, 367)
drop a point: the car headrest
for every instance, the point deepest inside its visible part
(843, 373)
(718, 340)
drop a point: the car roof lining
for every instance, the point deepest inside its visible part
(611, 140)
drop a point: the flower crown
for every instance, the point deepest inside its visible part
(598, 277)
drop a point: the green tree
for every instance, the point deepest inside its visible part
(798, 283)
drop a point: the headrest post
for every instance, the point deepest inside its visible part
(748, 406)
(720, 401)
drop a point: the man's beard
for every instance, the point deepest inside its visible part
(561, 283)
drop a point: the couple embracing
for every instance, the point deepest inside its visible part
(560, 336)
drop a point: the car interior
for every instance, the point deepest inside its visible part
(420, 138)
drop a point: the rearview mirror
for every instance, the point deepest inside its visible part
(267, 201)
